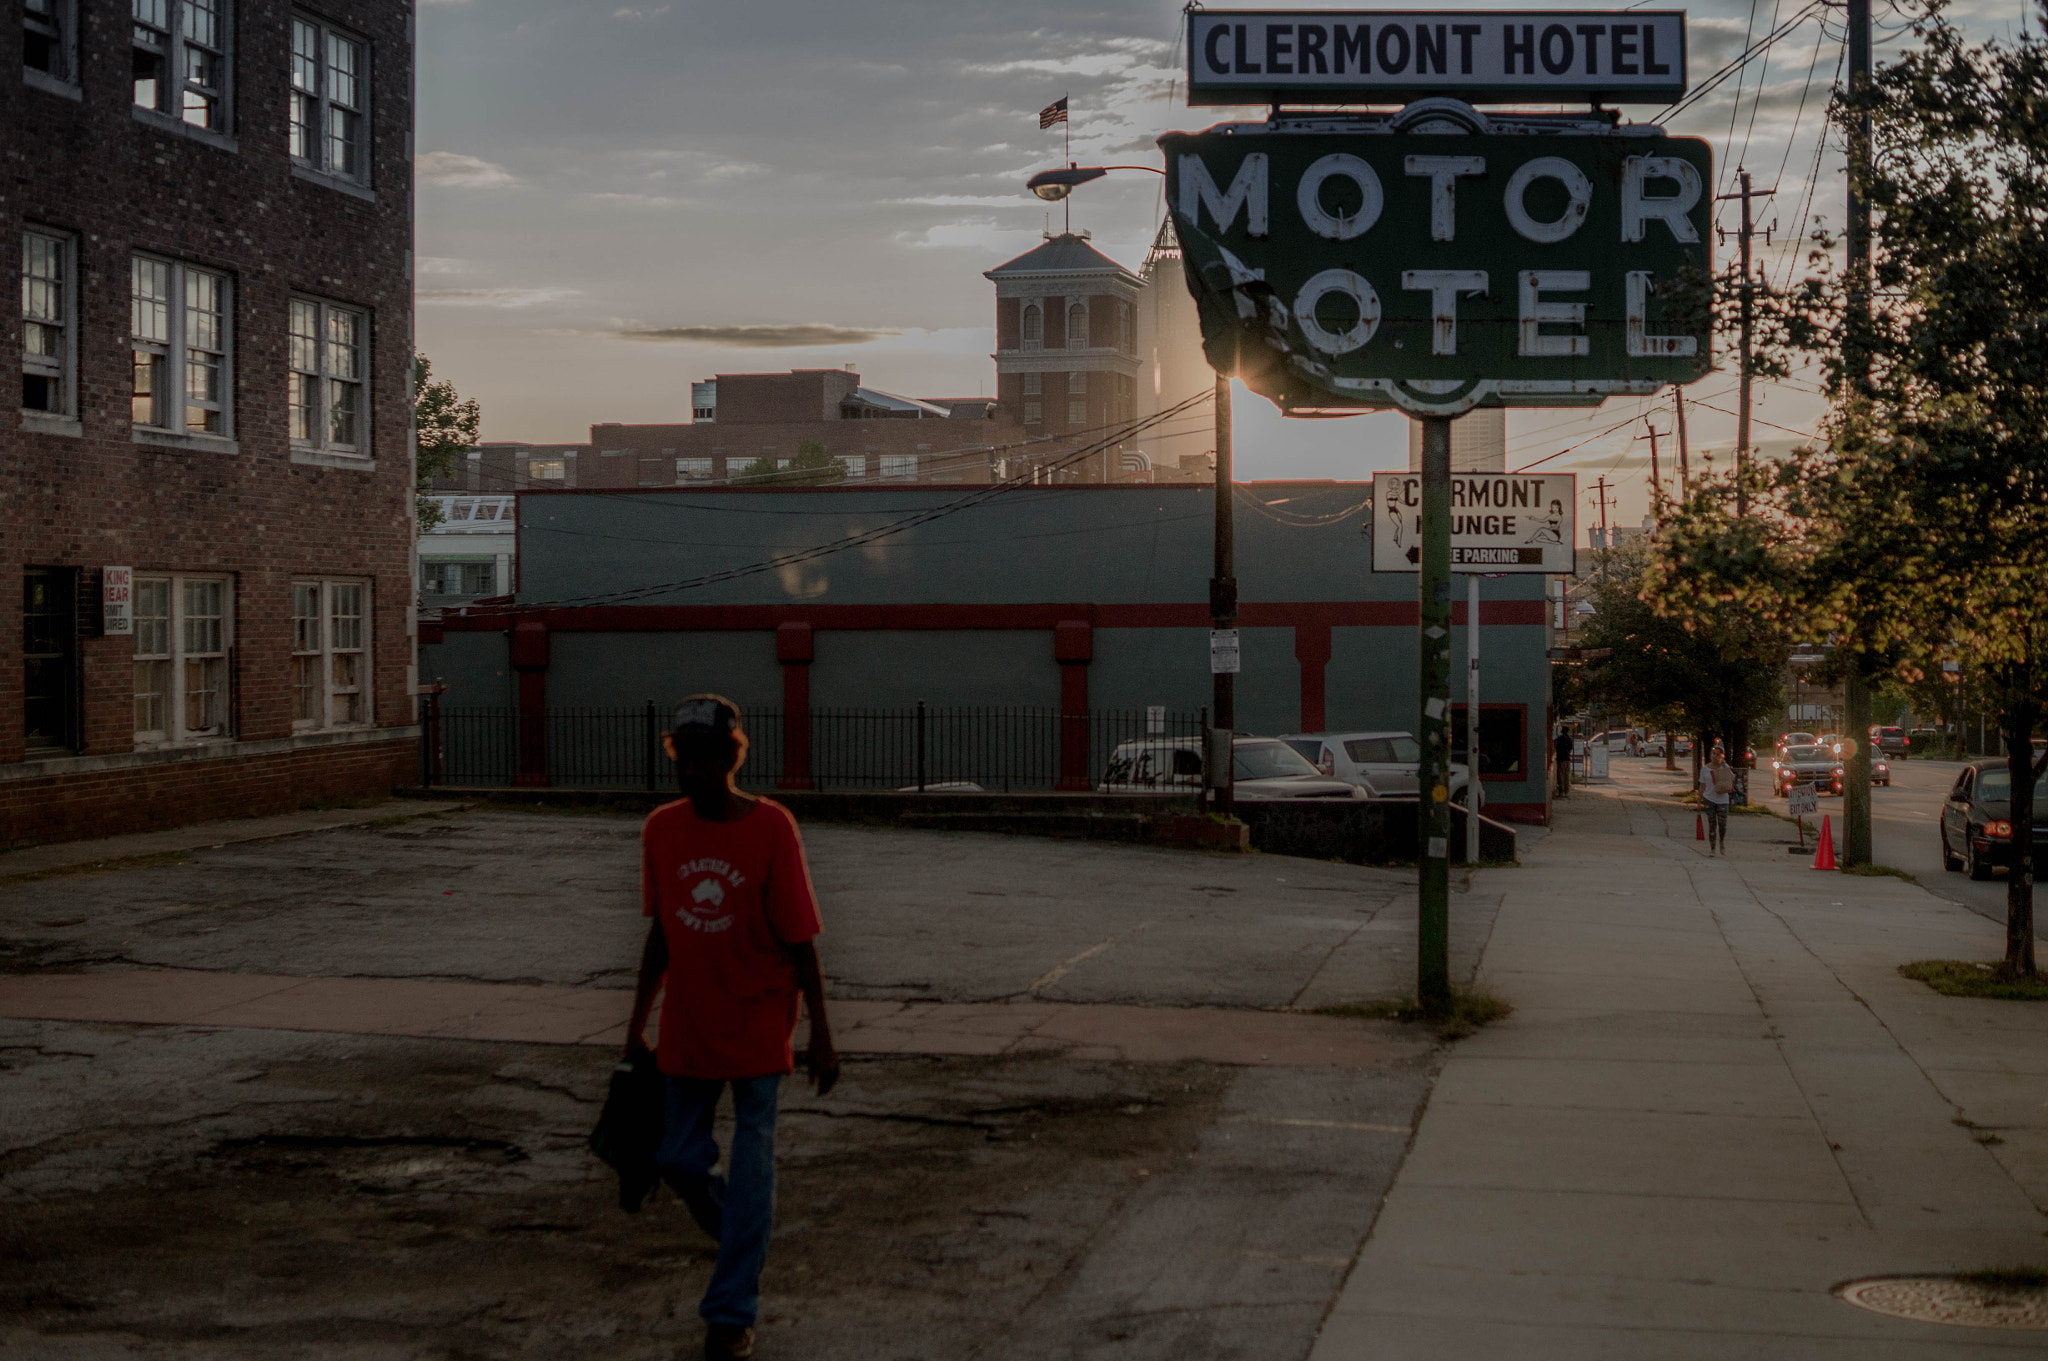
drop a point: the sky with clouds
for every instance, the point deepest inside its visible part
(614, 200)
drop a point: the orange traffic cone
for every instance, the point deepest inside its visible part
(1699, 826)
(1824, 858)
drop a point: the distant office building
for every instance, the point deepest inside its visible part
(209, 485)
(745, 424)
(508, 466)
(1479, 442)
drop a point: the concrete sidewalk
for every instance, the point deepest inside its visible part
(511, 1013)
(115, 850)
(1716, 1100)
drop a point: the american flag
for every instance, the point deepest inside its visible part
(1055, 112)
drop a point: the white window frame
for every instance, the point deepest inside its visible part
(1077, 411)
(315, 370)
(549, 470)
(172, 643)
(165, 27)
(176, 350)
(1077, 311)
(695, 469)
(58, 23)
(1031, 327)
(63, 366)
(321, 643)
(487, 566)
(315, 104)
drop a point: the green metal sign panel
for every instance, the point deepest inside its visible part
(1411, 263)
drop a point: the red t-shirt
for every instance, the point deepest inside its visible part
(731, 896)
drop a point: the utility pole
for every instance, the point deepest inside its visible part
(1856, 356)
(1656, 478)
(1606, 544)
(1748, 314)
(1472, 787)
(1433, 726)
(1223, 617)
(1684, 473)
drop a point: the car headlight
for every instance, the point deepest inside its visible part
(1999, 828)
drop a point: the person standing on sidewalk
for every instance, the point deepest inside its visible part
(1561, 748)
(730, 952)
(1717, 787)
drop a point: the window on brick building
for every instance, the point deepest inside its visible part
(693, 470)
(1077, 385)
(1125, 341)
(451, 577)
(1126, 391)
(49, 645)
(1077, 412)
(180, 321)
(330, 102)
(1034, 326)
(1077, 327)
(183, 632)
(48, 42)
(548, 470)
(328, 405)
(180, 60)
(898, 467)
(331, 651)
(49, 297)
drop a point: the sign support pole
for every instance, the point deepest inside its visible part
(1433, 935)
(1223, 608)
(1856, 842)
(1472, 720)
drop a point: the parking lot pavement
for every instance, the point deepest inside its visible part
(283, 1098)
(548, 899)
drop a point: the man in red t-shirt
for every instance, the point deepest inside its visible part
(723, 876)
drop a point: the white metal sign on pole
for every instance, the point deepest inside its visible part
(117, 601)
(1223, 654)
(1500, 522)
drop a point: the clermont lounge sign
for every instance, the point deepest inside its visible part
(1381, 56)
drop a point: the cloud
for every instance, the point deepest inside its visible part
(792, 337)
(635, 200)
(453, 170)
(490, 297)
(627, 12)
(441, 264)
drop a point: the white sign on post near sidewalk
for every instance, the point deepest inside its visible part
(1805, 801)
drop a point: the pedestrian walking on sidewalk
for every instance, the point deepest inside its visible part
(730, 952)
(1561, 747)
(1717, 787)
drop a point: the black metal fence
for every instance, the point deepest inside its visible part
(925, 747)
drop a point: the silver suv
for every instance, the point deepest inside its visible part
(1381, 763)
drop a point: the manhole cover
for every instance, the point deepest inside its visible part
(1944, 1299)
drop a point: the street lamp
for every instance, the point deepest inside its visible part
(1053, 186)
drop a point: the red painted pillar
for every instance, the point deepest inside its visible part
(1073, 646)
(793, 649)
(530, 660)
(1312, 654)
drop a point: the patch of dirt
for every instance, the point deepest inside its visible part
(444, 1206)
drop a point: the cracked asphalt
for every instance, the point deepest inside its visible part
(189, 1192)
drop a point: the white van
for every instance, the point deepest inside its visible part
(1260, 768)
(1380, 763)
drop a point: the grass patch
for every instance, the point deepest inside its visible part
(1962, 978)
(1471, 1008)
(1872, 871)
(2008, 1280)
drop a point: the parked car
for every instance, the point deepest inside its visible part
(1891, 741)
(1260, 768)
(1809, 763)
(1923, 739)
(1976, 834)
(1796, 739)
(1381, 763)
(1623, 739)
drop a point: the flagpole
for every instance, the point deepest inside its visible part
(1067, 131)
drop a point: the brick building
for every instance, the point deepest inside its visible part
(741, 419)
(206, 500)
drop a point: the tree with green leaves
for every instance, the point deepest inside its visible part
(445, 426)
(1706, 673)
(1921, 526)
(812, 467)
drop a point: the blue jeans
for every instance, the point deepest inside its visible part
(738, 1208)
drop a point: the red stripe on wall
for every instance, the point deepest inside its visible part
(744, 618)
